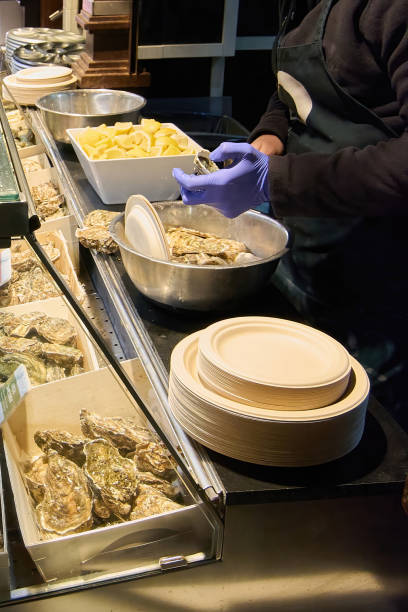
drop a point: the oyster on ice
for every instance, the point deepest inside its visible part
(56, 331)
(64, 443)
(122, 432)
(62, 355)
(67, 504)
(149, 501)
(112, 477)
(35, 473)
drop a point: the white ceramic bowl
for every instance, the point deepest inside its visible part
(115, 180)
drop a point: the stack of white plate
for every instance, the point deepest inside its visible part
(28, 85)
(43, 54)
(269, 391)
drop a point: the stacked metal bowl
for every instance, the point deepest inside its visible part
(27, 47)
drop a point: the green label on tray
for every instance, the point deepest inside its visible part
(13, 391)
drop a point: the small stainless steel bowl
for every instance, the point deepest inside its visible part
(203, 288)
(79, 108)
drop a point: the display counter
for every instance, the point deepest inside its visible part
(331, 537)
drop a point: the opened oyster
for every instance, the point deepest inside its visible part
(56, 331)
(35, 474)
(67, 504)
(154, 457)
(122, 432)
(64, 443)
(149, 501)
(112, 477)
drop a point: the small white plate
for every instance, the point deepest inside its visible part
(144, 229)
(44, 75)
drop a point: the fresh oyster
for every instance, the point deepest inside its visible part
(55, 372)
(7, 321)
(61, 354)
(75, 370)
(31, 165)
(122, 432)
(112, 477)
(9, 344)
(184, 241)
(149, 501)
(97, 237)
(35, 474)
(159, 484)
(24, 324)
(36, 369)
(67, 504)
(199, 259)
(56, 331)
(154, 457)
(64, 443)
(47, 199)
(32, 286)
(203, 164)
(100, 218)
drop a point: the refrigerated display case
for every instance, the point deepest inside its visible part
(311, 539)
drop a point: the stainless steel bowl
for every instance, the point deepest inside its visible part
(78, 108)
(205, 287)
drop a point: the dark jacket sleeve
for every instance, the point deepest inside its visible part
(273, 121)
(352, 181)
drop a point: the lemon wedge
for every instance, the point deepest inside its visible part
(150, 125)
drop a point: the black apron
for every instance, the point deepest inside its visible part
(345, 273)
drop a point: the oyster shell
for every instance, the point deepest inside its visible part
(183, 241)
(7, 321)
(111, 476)
(32, 286)
(61, 354)
(97, 237)
(35, 473)
(10, 344)
(100, 218)
(154, 457)
(122, 432)
(55, 372)
(158, 484)
(75, 370)
(36, 370)
(24, 324)
(67, 504)
(56, 331)
(149, 501)
(64, 443)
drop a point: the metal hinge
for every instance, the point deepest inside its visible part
(167, 563)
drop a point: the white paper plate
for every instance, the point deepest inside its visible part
(144, 229)
(274, 352)
(43, 75)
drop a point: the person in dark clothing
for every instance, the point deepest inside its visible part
(330, 155)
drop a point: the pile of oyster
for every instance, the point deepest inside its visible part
(48, 201)
(115, 471)
(95, 233)
(29, 282)
(45, 345)
(22, 134)
(205, 249)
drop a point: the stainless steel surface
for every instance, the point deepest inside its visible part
(330, 555)
(78, 108)
(205, 287)
(195, 455)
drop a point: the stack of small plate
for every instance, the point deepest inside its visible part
(43, 54)
(269, 391)
(30, 84)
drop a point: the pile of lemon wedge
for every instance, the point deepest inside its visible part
(150, 138)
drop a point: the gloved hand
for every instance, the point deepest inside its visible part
(232, 190)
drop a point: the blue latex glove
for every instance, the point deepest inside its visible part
(232, 190)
